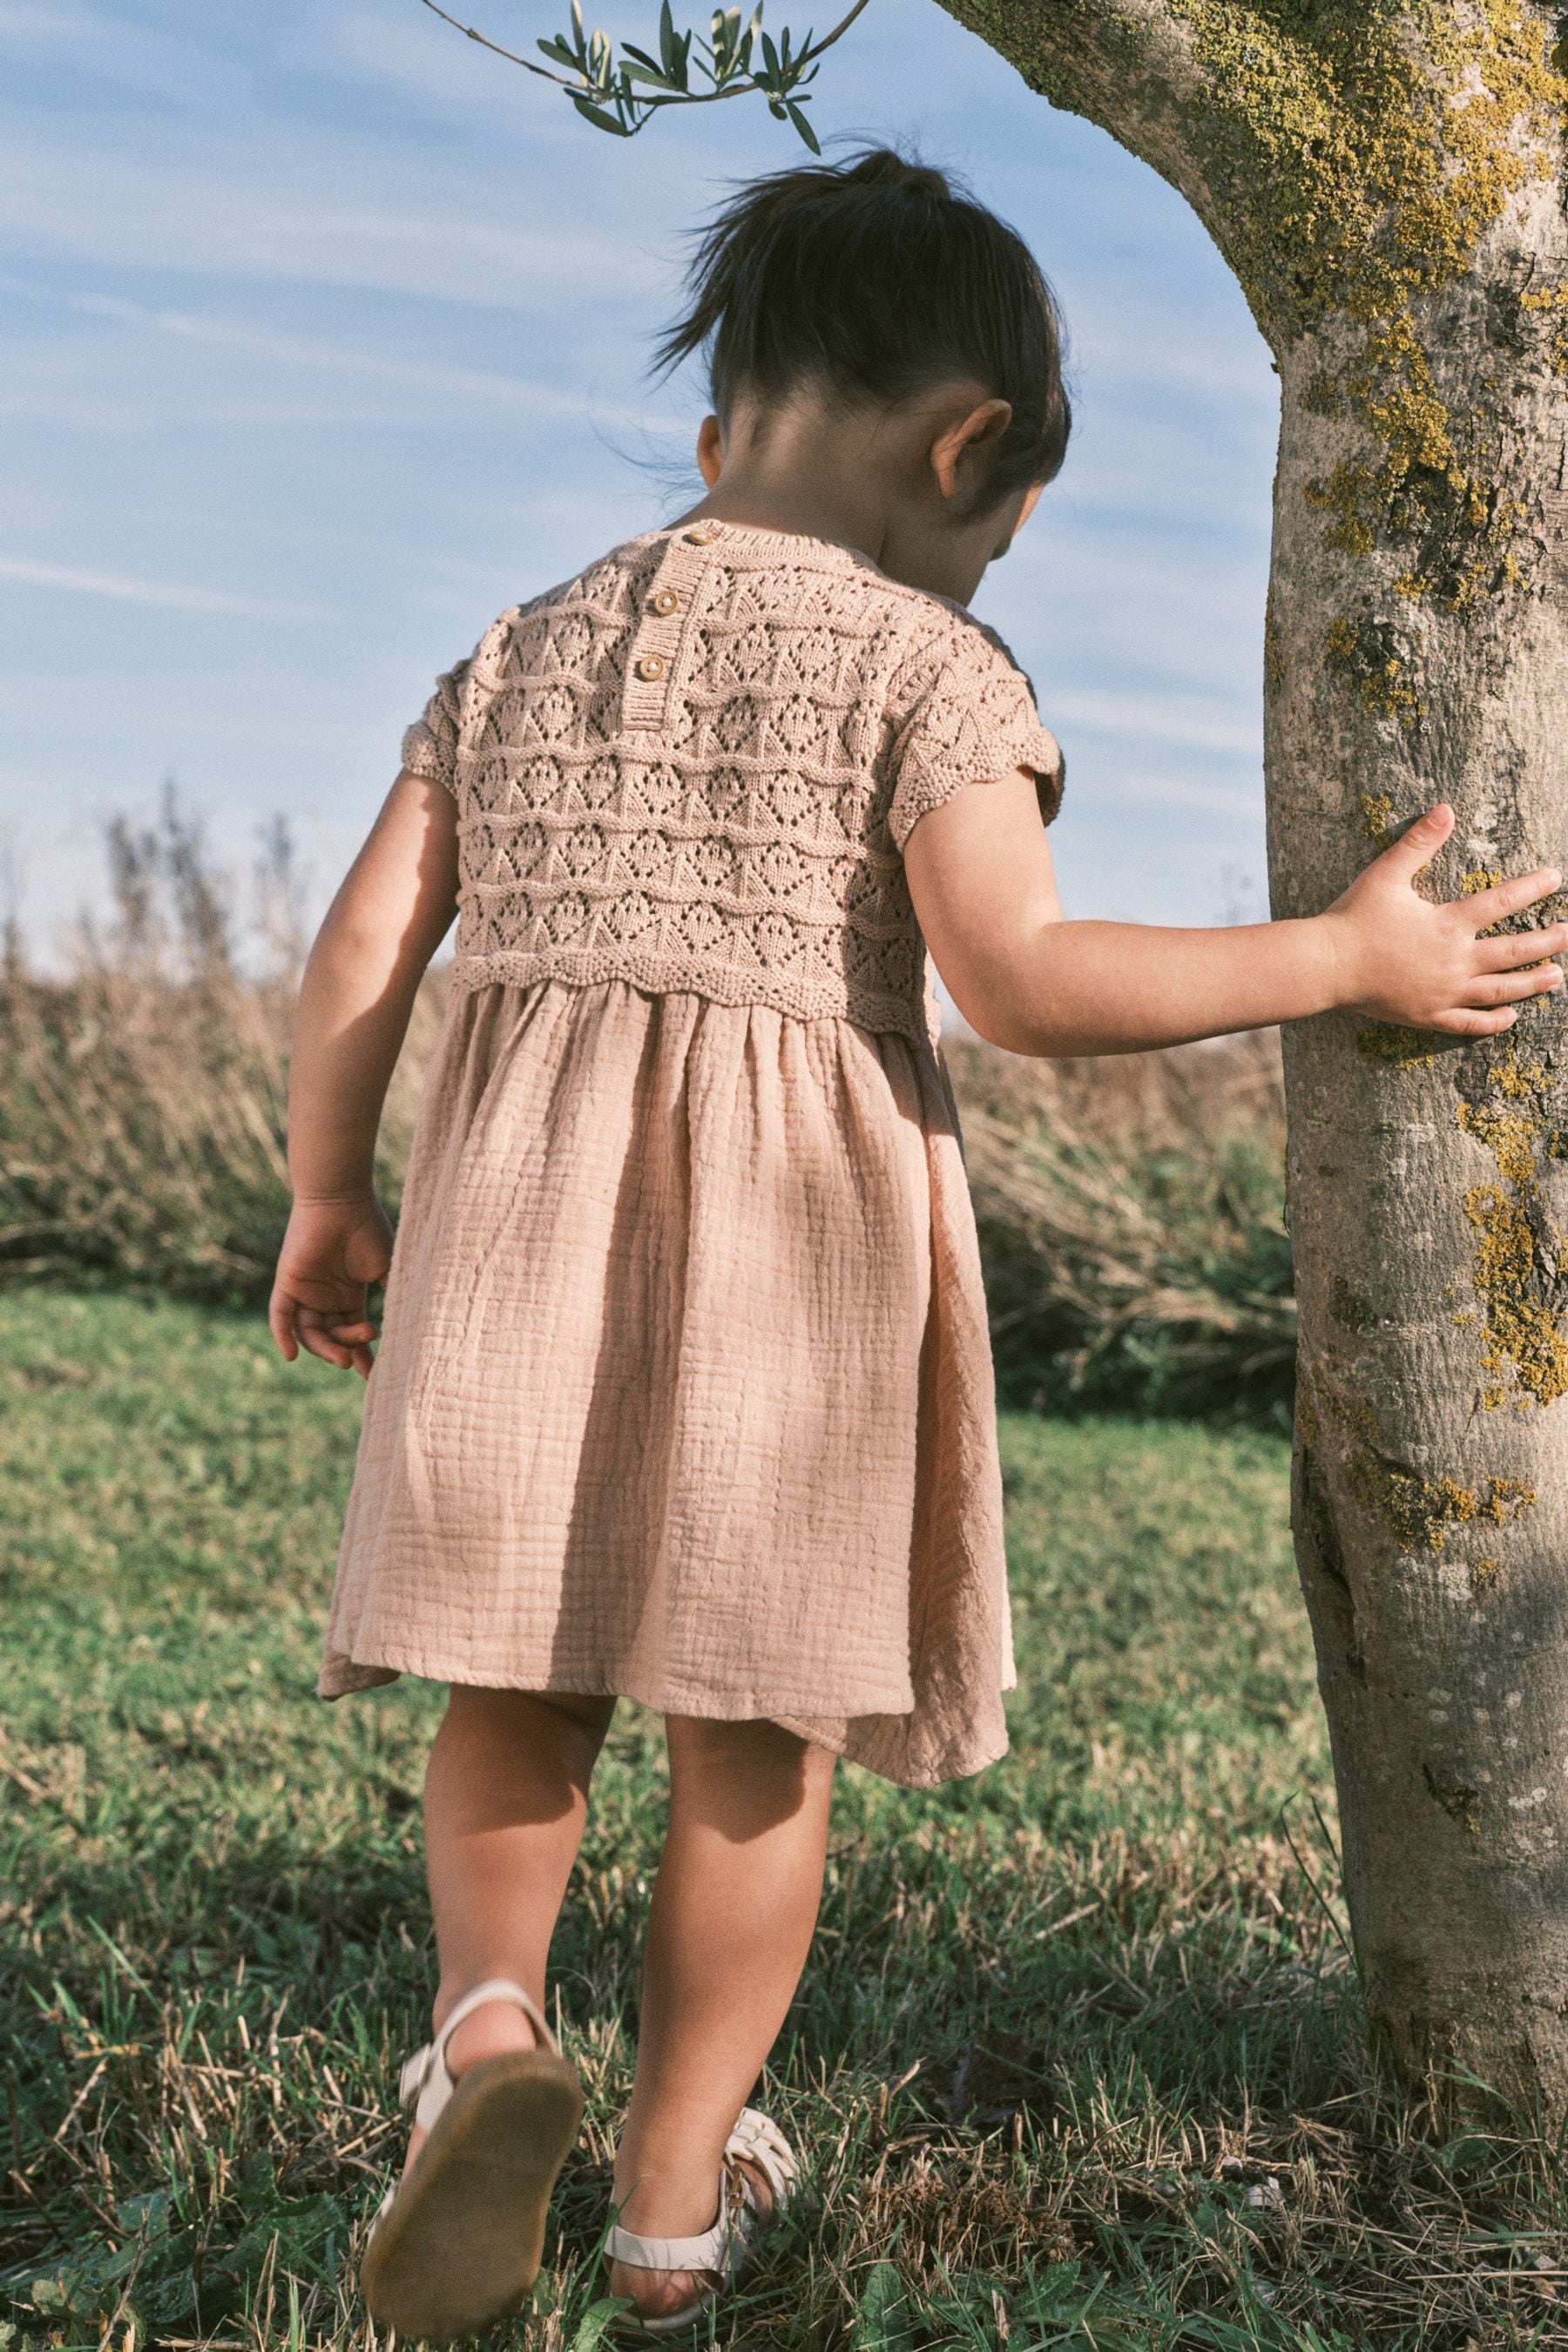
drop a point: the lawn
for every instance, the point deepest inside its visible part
(1077, 2060)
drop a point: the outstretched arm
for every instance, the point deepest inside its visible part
(984, 893)
(395, 906)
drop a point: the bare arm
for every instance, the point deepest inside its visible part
(395, 906)
(984, 894)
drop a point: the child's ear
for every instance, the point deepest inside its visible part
(964, 436)
(710, 450)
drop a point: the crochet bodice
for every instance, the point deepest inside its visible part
(695, 766)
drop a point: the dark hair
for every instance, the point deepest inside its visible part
(874, 279)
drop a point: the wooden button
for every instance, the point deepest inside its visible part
(650, 666)
(701, 538)
(667, 601)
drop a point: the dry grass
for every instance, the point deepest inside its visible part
(1131, 1210)
(1077, 2060)
(143, 1098)
(1132, 1216)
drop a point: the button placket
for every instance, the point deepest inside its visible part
(654, 656)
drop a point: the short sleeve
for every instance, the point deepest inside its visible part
(430, 745)
(974, 724)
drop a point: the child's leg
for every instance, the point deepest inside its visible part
(729, 1929)
(506, 1794)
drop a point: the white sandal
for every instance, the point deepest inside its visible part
(724, 2249)
(457, 2242)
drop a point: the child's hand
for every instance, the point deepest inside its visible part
(1402, 959)
(332, 1250)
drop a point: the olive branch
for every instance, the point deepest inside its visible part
(620, 94)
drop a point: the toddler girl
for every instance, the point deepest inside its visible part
(684, 1391)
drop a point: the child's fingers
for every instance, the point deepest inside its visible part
(321, 1344)
(1418, 843)
(341, 1340)
(1476, 1023)
(1510, 949)
(1510, 897)
(280, 1313)
(1513, 987)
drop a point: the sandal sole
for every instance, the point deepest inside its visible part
(460, 2246)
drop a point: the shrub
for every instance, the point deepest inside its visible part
(1131, 1219)
(1130, 1209)
(142, 1097)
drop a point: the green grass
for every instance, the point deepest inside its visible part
(1077, 2060)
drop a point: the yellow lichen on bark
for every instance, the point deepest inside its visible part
(1377, 147)
(1372, 168)
(1523, 1329)
(1552, 299)
(1365, 656)
(1420, 1512)
(1395, 1048)
(1377, 818)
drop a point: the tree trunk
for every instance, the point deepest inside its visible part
(1428, 1202)
(1387, 183)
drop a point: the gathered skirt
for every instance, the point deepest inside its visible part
(684, 1390)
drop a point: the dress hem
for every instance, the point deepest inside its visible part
(667, 1698)
(343, 1676)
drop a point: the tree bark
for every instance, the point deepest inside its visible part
(1387, 182)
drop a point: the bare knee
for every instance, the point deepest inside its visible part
(745, 1775)
(493, 1738)
(520, 1712)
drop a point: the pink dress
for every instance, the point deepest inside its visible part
(684, 1390)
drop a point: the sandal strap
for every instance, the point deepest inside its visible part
(718, 2248)
(426, 2082)
(757, 2139)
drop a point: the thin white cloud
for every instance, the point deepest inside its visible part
(1227, 362)
(281, 218)
(1191, 720)
(154, 592)
(314, 356)
(27, 26)
(1116, 787)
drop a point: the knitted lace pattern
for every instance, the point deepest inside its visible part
(695, 766)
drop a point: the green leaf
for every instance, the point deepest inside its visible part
(644, 68)
(595, 2324)
(597, 116)
(882, 2317)
(804, 129)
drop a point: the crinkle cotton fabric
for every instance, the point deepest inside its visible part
(684, 1392)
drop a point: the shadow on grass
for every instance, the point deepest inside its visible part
(1082, 2099)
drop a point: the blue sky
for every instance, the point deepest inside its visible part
(323, 339)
